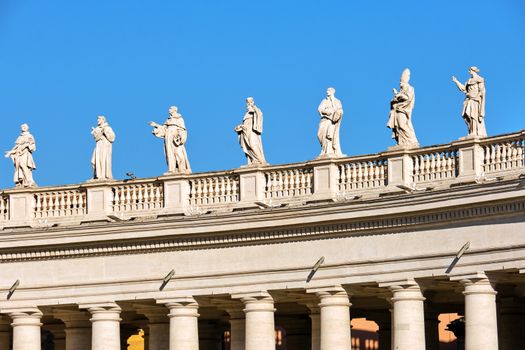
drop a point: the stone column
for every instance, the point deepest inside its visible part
(78, 329)
(209, 336)
(157, 334)
(59, 335)
(409, 316)
(184, 329)
(105, 326)
(26, 329)
(260, 325)
(334, 309)
(237, 328)
(315, 318)
(481, 325)
(512, 323)
(5, 337)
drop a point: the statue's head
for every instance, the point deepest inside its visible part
(101, 120)
(24, 127)
(249, 101)
(330, 92)
(473, 70)
(173, 110)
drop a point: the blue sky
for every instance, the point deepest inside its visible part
(64, 62)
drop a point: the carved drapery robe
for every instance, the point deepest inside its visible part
(331, 111)
(400, 119)
(22, 157)
(250, 136)
(101, 159)
(175, 135)
(474, 106)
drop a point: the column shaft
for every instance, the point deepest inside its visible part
(481, 328)
(159, 336)
(260, 324)
(26, 329)
(316, 329)
(184, 329)
(237, 333)
(105, 328)
(78, 338)
(409, 317)
(335, 320)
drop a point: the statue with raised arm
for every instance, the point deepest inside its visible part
(401, 107)
(101, 159)
(331, 112)
(474, 105)
(174, 133)
(250, 133)
(22, 157)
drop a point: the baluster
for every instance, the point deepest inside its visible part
(493, 157)
(234, 189)
(377, 180)
(193, 192)
(216, 190)
(415, 173)
(353, 176)
(68, 208)
(148, 203)
(38, 205)
(82, 202)
(382, 174)
(116, 199)
(302, 183)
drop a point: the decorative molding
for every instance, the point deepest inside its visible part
(372, 226)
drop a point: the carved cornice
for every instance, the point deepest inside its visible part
(353, 227)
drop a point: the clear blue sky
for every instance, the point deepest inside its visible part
(64, 62)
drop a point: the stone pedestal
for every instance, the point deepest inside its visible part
(481, 327)
(409, 316)
(334, 309)
(26, 329)
(105, 327)
(184, 330)
(260, 325)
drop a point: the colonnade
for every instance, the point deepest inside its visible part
(174, 324)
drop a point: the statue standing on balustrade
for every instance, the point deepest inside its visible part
(250, 133)
(101, 159)
(331, 111)
(474, 105)
(22, 157)
(175, 135)
(401, 107)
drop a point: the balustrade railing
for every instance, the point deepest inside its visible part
(60, 203)
(212, 190)
(435, 164)
(293, 182)
(504, 155)
(4, 207)
(138, 196)
(370, 175)
(362, 174)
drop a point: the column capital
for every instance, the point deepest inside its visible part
(181, 307)
(25, 316)
(407, 289)
(103, 312)
(478, 284)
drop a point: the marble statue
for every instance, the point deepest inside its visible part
(101, 159)
(174, 134)
(22, 157)
(250, 133)
(401, 107)
(331, 111)
(474, 105)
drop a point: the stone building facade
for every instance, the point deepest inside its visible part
(223, 259)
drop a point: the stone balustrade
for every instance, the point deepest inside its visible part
(462, 161)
